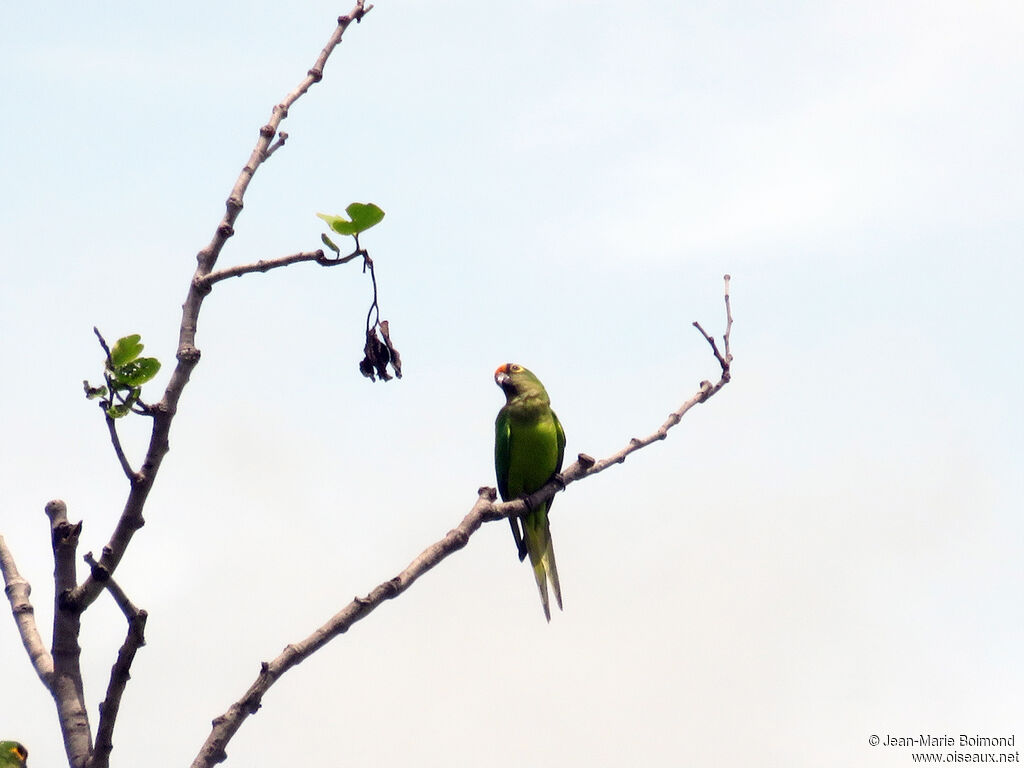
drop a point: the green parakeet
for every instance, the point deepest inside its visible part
(529, 444)
(12, 755)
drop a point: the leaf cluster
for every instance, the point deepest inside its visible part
(124, 373)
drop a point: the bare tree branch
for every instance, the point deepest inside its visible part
(227, 725)
(486, 509)
(728, 321)
(586, 466)
(18, 591)
(188, 354)
(120, 672)
(66, 686)
(265, 265)
(727, 359)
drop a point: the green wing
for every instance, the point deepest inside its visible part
(502, 453)
(561, 445)
(502, 460)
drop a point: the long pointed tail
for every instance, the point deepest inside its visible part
(542, 558)
(542, 584)
(549, 564)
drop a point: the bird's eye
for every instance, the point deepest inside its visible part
(20, 751)
(515, 368)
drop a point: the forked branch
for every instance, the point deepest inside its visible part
(265, 265)
(120, 672)
(59, 669)
(163, 412)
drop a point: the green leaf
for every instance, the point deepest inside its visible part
(339, 224)
(329, 243)
(137, 372)
(362, 216)
(117, 411)
(125, 349)
(92, 392)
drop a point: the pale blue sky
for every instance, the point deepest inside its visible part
(829, 549)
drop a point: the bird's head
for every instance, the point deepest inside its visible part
(514, 380)
(506, 377)
(13, 753)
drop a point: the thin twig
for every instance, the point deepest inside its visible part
(728, 320)
(103, 342)
(485, 509)
(113, 393)
(120, 598)
(119, 450)
(282, 137)
(265, 265)
(120, 672)
(586, 466)
(368, 262)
